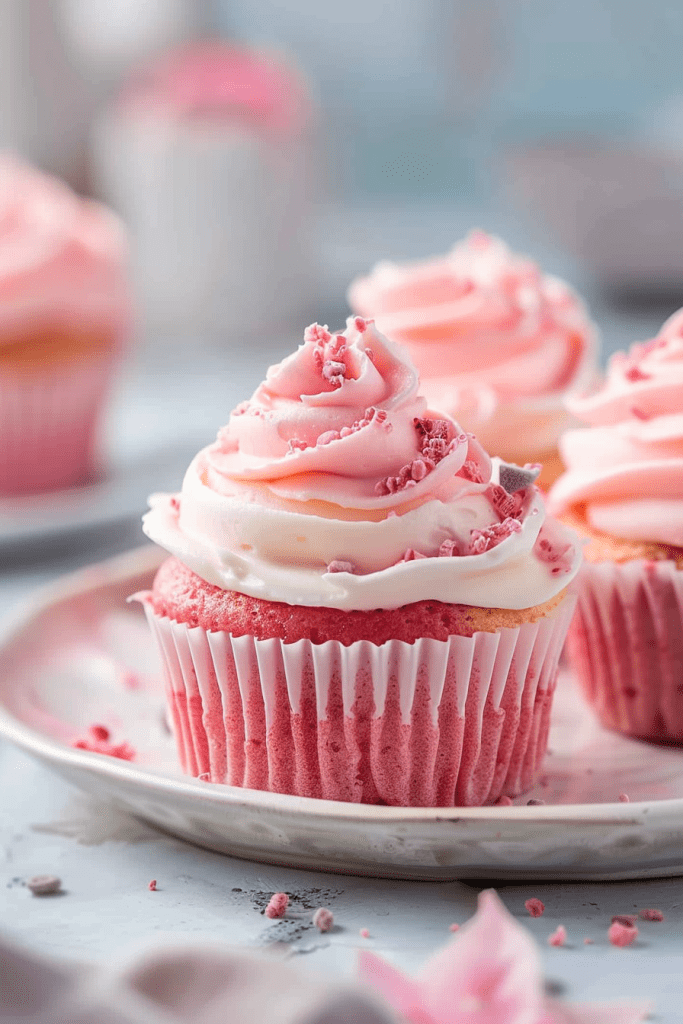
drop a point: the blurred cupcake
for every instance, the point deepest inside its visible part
(208, 153)
(358, 608)
(498, 344)
(64, 311)
(624, 491)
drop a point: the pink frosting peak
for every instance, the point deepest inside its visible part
(223, 81)
(341, 421)
(62, 258)
(490, 973)
(627, 466)
(487, 331)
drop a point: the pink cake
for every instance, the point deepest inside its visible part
(624, 491)
(64, 312)
(361, 605)
(498, 343)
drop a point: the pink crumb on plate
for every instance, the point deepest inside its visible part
(621, 934)
(559, 936)
(152, 885)
(279, 902)
(651, 915)
(454, 927)
(624, 798)
(364, 933)
(534, 906)
(588, 942)
(97, 742)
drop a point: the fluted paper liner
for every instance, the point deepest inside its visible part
(625, 646)
(48, 424)
(435, 723)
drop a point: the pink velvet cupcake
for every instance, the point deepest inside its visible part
(498, 344)
(64, 311)
(624, 492)
(360, 605)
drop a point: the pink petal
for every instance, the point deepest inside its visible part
(401, 992)
(492, 959)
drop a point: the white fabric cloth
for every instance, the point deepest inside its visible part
(175, 985)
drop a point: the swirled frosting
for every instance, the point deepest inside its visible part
(626, 468)
(223, 82)
(335, 486)
(498, 343)
(62, 258)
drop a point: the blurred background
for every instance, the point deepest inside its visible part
(558, 126)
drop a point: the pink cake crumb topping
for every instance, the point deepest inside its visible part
(492, 536)
(279, 902)
(559, 556)
(337, 565)
(364, 933)
(97, 742)
(506, 505)
(558, 937)
(651, 915)
(534, 907)
(323, 919)
(152, 885)
(621, 934)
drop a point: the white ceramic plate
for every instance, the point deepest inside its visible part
(79, 654)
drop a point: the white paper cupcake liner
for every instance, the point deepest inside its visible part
(625, 646)
(435, 723)
(48, 424)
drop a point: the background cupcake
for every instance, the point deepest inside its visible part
(209, 154)
(358, 609)
(499, 345)
(624, 491)
(64, 311)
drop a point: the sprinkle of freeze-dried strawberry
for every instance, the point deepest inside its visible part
(651, 915)
(622, 934)
(240, 409)
(449, 549)
(338, 565)
(484, 540)
(635, 373)
(534, 907)
(295, 445)
(505, 504)
(317, 333)
(559, 556)
(559, 936)
(471, 471)
(360, 324)
(411, 555)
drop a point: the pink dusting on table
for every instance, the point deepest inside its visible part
(624, 798)
(559, 936)
(454, 927)
(97, 742)
(152, 885)
(588, 942)
(323, 919)
(279, 902)
(364, 933)
(503, 801)
(651, 915)
(534, 907)
(626, 919)
(621, 934)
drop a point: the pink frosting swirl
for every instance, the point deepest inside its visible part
(223, 82)
(627, 467)
(62, 258)
(335, 486)
(489, 333)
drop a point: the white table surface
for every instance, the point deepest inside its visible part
(106, 860)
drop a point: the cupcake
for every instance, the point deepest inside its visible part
(209, 154)
(359, 605)
(623, 491)
(498, 344)
(64, 311)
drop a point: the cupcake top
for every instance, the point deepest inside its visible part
(490, 333)
(62, 258)
(335, 486)
(222, 83)
(625, 471)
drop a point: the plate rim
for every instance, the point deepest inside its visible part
(133, 563)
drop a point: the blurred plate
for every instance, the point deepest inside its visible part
(94, 662)
(120, 497)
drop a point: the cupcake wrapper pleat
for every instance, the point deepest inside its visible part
(48, 424)
(625, 646)
(435, 723)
